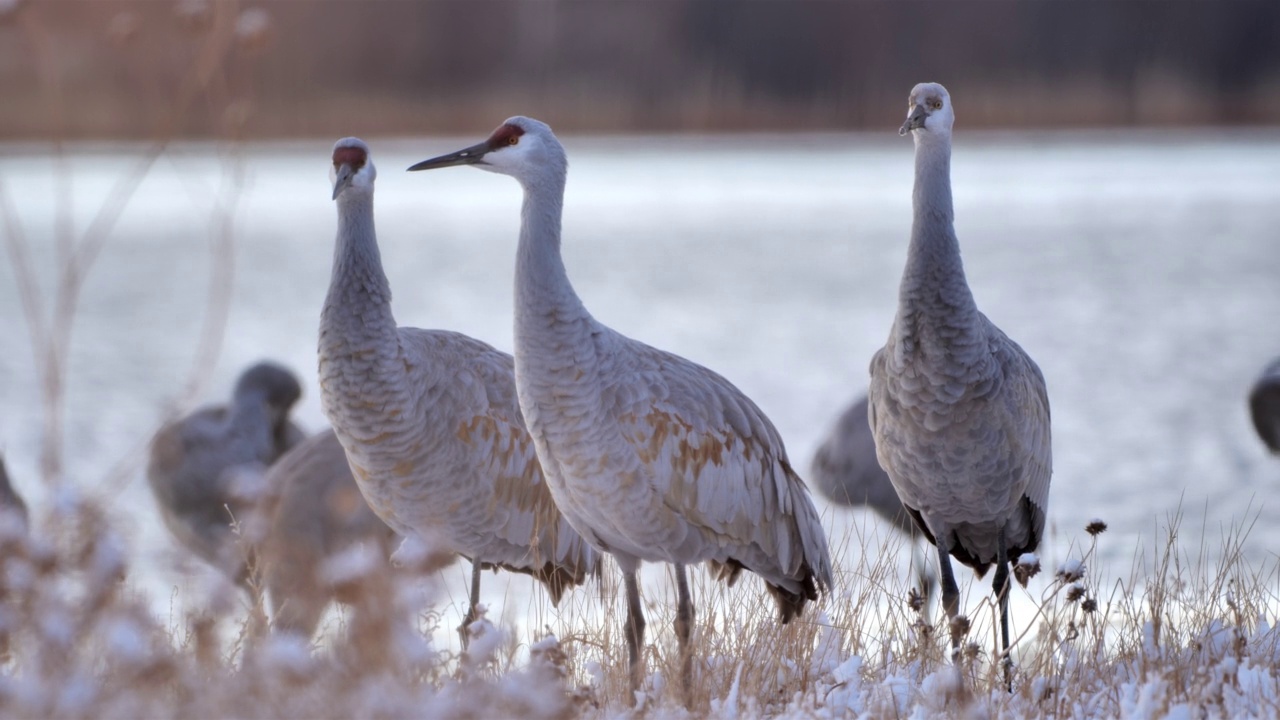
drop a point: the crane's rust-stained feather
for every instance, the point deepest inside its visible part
(438, 444)
(722, 468)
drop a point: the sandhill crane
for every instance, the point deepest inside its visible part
(1264, 406)
(845, 470)
(198, 462)
(318, 514)
(959, 411)
(649, 455)
(429, 418)
(13, 509)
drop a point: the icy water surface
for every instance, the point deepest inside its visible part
(1142, 272)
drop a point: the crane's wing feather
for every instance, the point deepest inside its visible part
(481, 394)
(1028, 427)
(720, 463)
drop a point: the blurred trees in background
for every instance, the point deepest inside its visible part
(341, 67)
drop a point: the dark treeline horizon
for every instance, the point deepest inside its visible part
(117, 68)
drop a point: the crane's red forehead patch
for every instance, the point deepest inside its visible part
(353, 156)
(504, 136)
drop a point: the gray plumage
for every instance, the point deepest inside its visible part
(846, 471)
(959, 411)
(318, 514)
(199, 463)
(429, 418)
(1264, 406)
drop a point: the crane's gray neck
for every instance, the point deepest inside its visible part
(253, 422)
(543, 292)
(933, 290)
(357, 309)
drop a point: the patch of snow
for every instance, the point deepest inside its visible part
(352, 565)
(125, 640)
(1071, 570)
(288, 653)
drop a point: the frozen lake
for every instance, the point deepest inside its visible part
(1141, 271)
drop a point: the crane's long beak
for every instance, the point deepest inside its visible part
(473, 155)
(342, 180)
(914, 120)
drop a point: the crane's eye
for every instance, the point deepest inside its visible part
(513, 140)
(936, 104)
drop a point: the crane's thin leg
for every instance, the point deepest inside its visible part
(684, 626)
(924, 574)
(635, 632)
(473, 601)
(950, 594)
(1000, 583)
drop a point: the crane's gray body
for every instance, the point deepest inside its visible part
(197, 463)
(319, 513)
(959, 412)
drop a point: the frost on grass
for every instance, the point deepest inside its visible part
(1186, 639)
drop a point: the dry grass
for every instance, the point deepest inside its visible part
(1191, 630)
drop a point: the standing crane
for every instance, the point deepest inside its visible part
(429, 418)
(197, 463)
(650, 456)
(959, 411)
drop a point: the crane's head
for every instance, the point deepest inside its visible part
(269, 383)
(929, 110)
(521, 147)
(352, 168)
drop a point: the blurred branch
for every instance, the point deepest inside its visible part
(51, 342)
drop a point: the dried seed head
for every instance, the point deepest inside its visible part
(915, 600)
(1075, 591)
(1027, 567)
(972, 651)
(1089, 605)
(959, 627)
(1070, 571)
(1095, 527)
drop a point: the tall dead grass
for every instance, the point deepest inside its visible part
(1192, 629)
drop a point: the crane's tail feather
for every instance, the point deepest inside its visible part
(790, 603)
(556, 577)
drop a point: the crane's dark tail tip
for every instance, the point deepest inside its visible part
(556, 578)
(790, 604)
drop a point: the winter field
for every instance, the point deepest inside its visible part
(1140, 270)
